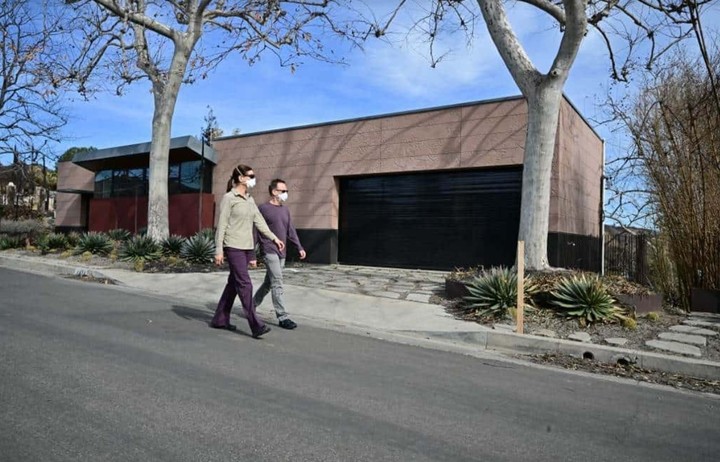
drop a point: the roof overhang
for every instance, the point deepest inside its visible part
(182, 148)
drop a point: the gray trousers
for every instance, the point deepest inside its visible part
(273, 283)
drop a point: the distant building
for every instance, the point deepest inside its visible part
(432, 188)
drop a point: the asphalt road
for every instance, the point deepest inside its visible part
(94, 373)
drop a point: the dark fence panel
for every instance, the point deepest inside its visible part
(626, 254)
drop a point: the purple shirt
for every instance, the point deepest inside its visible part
(278, 220)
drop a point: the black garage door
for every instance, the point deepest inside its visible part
(436, 220)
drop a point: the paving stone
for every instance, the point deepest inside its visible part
(415, 297)
(387, 294)
(692, 322)
(694, 330)
(683, 338)
(580, 337)
(545, 333)
(675, 347)
(617, 341)
(705, 316)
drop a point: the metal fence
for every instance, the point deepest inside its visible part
(626, 254)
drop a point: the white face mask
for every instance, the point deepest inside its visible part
(250, 183)
(283, 197)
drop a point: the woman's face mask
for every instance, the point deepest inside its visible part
(250, 183)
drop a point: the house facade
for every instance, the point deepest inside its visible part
(432, 188)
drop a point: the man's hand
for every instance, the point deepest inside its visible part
(219, 259)
(252, 263)
(280, 244)
(302, 255)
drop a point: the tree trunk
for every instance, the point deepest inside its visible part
(543, 113)
(165, 96)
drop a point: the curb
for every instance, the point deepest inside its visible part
(50, 267)
(509, 342)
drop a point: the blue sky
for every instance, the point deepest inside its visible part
(382, 78)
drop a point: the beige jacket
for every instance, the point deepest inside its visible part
(238, 214)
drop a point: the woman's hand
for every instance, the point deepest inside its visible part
(219, 259)
(252, 263)
(280, 244)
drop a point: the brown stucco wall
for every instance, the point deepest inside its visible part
(576, 200)
(309, 158)
(69, 210)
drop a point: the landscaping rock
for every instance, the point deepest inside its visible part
(580, 337)
(693, 330)
(684, 338)
(675, 347)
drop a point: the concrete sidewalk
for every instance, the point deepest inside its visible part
(390, 315)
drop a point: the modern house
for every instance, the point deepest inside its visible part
(432, 188)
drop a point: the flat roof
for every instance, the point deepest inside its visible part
(401, 113)
(92, 160)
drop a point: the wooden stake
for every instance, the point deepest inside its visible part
(520, 307)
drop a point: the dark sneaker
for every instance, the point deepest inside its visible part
(287, 324)
(262, 332)
(230, 327)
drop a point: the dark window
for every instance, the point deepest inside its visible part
(183, 177)
(129, 182)
(103, 184)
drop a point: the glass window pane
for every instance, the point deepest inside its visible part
(103, 184)
(174, 179)
(190, 176)
(129, 182)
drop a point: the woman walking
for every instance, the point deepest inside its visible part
(234, 238)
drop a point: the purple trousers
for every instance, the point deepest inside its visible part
(239, 284)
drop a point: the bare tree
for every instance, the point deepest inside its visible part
(643, 27)
(674, 123)
(173, 42)
(30, 111)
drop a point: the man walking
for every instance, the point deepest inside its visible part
(277, 217)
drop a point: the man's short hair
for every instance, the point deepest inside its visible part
(273, 185)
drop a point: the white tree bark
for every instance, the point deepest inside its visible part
(543, 93)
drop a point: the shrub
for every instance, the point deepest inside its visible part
(139, 248)
(198, 249)
(24, 229)
(628, 323)
(94, 243)
(653, 316)
(494, 292)
(119, 235)
(10, 242)
(585, 298)
(172, 245)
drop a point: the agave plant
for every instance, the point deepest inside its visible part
(139, 248)
(119, 235)
(198, 249)
(493, 293)
(52, 241)
(94, 243)
(10, 242)
(206, 232)
(585, 298)
(72, 238)
(172, 245)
